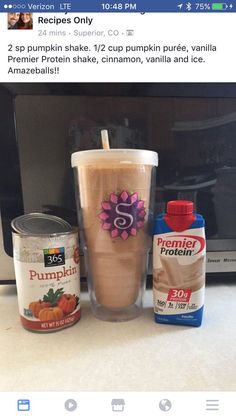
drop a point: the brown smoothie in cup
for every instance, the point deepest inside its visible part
(114, 210)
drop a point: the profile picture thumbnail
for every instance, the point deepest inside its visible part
(20, 20)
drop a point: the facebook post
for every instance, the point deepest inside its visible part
(117, 209)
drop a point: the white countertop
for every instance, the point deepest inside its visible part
(138, 355)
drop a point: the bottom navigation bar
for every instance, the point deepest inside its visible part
(121, 405)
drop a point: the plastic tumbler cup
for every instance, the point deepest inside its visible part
(114, 196)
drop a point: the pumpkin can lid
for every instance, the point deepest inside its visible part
(40, 224)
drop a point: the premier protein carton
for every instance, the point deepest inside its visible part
(179, 252)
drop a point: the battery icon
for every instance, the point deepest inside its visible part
(219, 6)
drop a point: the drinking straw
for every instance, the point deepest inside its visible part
(105, 139)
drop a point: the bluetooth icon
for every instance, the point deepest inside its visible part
(188, 6)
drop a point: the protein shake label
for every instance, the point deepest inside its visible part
(181, 245)
(179, 273)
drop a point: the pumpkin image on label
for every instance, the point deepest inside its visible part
(51, 313)
(68, 303)
(122, 215)
(36, 306)
(55, 305)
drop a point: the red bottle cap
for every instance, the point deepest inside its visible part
(179, 207)
(179, 215)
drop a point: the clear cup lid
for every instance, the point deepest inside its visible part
(114, 155)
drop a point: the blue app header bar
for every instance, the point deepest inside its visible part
(122, 6)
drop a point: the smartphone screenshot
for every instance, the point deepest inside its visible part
(117, 209)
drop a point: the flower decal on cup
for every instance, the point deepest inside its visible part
(123, 215)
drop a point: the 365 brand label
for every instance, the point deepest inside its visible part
(54, 256)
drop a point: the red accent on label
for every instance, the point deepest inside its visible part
(169, 242)
(182, 295)
(51, 324)
(201, 240)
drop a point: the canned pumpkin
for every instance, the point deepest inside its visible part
(47, 272)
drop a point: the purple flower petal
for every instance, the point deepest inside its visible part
(124, 235)
(135, 208)
(140, 204)
(140, 224)
(114, 198)
(134, 197)
(114, 233)
(103, 216)
(124, 196)
(106, 205)
(106, 226)
(142, 214)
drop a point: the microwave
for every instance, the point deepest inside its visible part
(192, 126)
